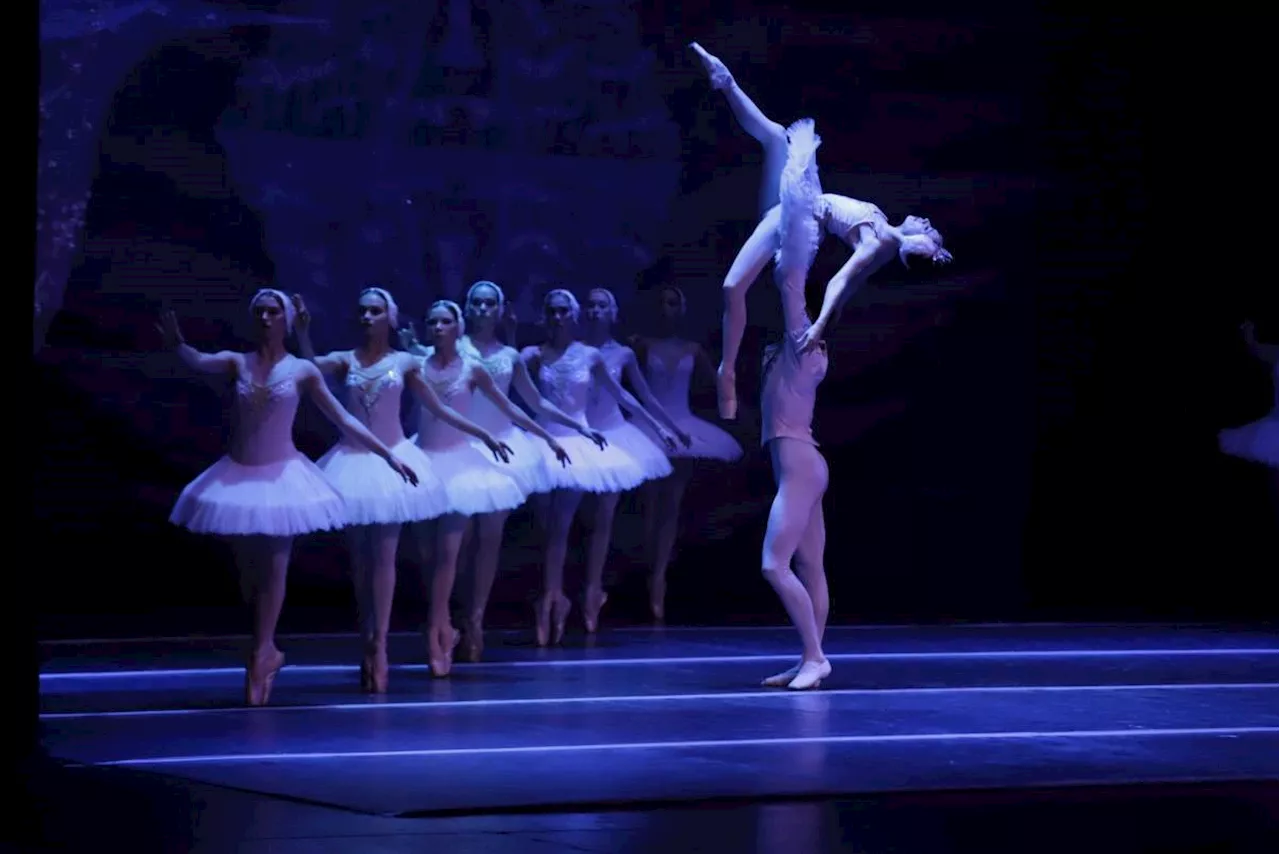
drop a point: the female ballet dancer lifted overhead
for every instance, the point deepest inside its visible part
(862, 225)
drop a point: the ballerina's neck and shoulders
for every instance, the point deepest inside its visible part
(266, 402)
(495, 357)
(564, 375)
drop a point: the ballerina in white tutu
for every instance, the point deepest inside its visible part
(375, 377)
(485, 309)
(644, 446)
(861, 225)
(264, 492)
(473, 485)
(1257, 441)
(669, 363)
(568, 373)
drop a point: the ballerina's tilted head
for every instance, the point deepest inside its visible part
(264, 492)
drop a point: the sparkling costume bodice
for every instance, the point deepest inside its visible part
(603, 411)
(669, 380)
(373, 395)
(264, 412)
(790, 391)
(500, 365)
(844, 215)
(451, 384)
(566, 382)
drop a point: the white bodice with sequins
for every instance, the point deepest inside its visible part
(566, 382)
(451, 384)
(670, 381)
(373, 394)
(263, 432)
(603, 411)
(500, 365)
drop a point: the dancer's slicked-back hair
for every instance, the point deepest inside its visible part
(454, 309)
(286, 305)
(393, 310)
(575, 308)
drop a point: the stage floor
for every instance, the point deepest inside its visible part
(650, 716)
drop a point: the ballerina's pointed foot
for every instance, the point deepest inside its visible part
(592, 604)
(473, 641)
(260, 676)
(658, 598)
(726, 394)
(374, 670)
(550, 616)
(810, 675)
(441, 643)
(716, 70)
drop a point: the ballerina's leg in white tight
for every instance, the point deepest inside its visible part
(763, 242)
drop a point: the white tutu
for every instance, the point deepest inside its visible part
(282, 499)
(1256, 441)
(648, 459)
(374, 494)
(474, 481)
(593, 469)
(709, 441)
(528, 465)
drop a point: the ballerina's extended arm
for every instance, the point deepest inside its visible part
(330, 363)
(409, 341)
(222, 362)
(427, 396)
(524, 386)
(867, 257)
(625, 399)
(485, 384)
(313, 383)
(631, 370)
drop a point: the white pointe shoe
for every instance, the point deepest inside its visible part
(783, 679)
(716, 70)
(811, 675)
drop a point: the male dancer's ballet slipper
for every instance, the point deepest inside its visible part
(781, 680)
(260, 676)
(811, 675)
(726, 394)
(716, 70)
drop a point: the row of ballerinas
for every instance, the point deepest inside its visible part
(476, 456)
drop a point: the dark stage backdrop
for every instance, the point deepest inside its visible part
(1030, 435)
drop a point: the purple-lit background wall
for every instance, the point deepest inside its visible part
(999, 436)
